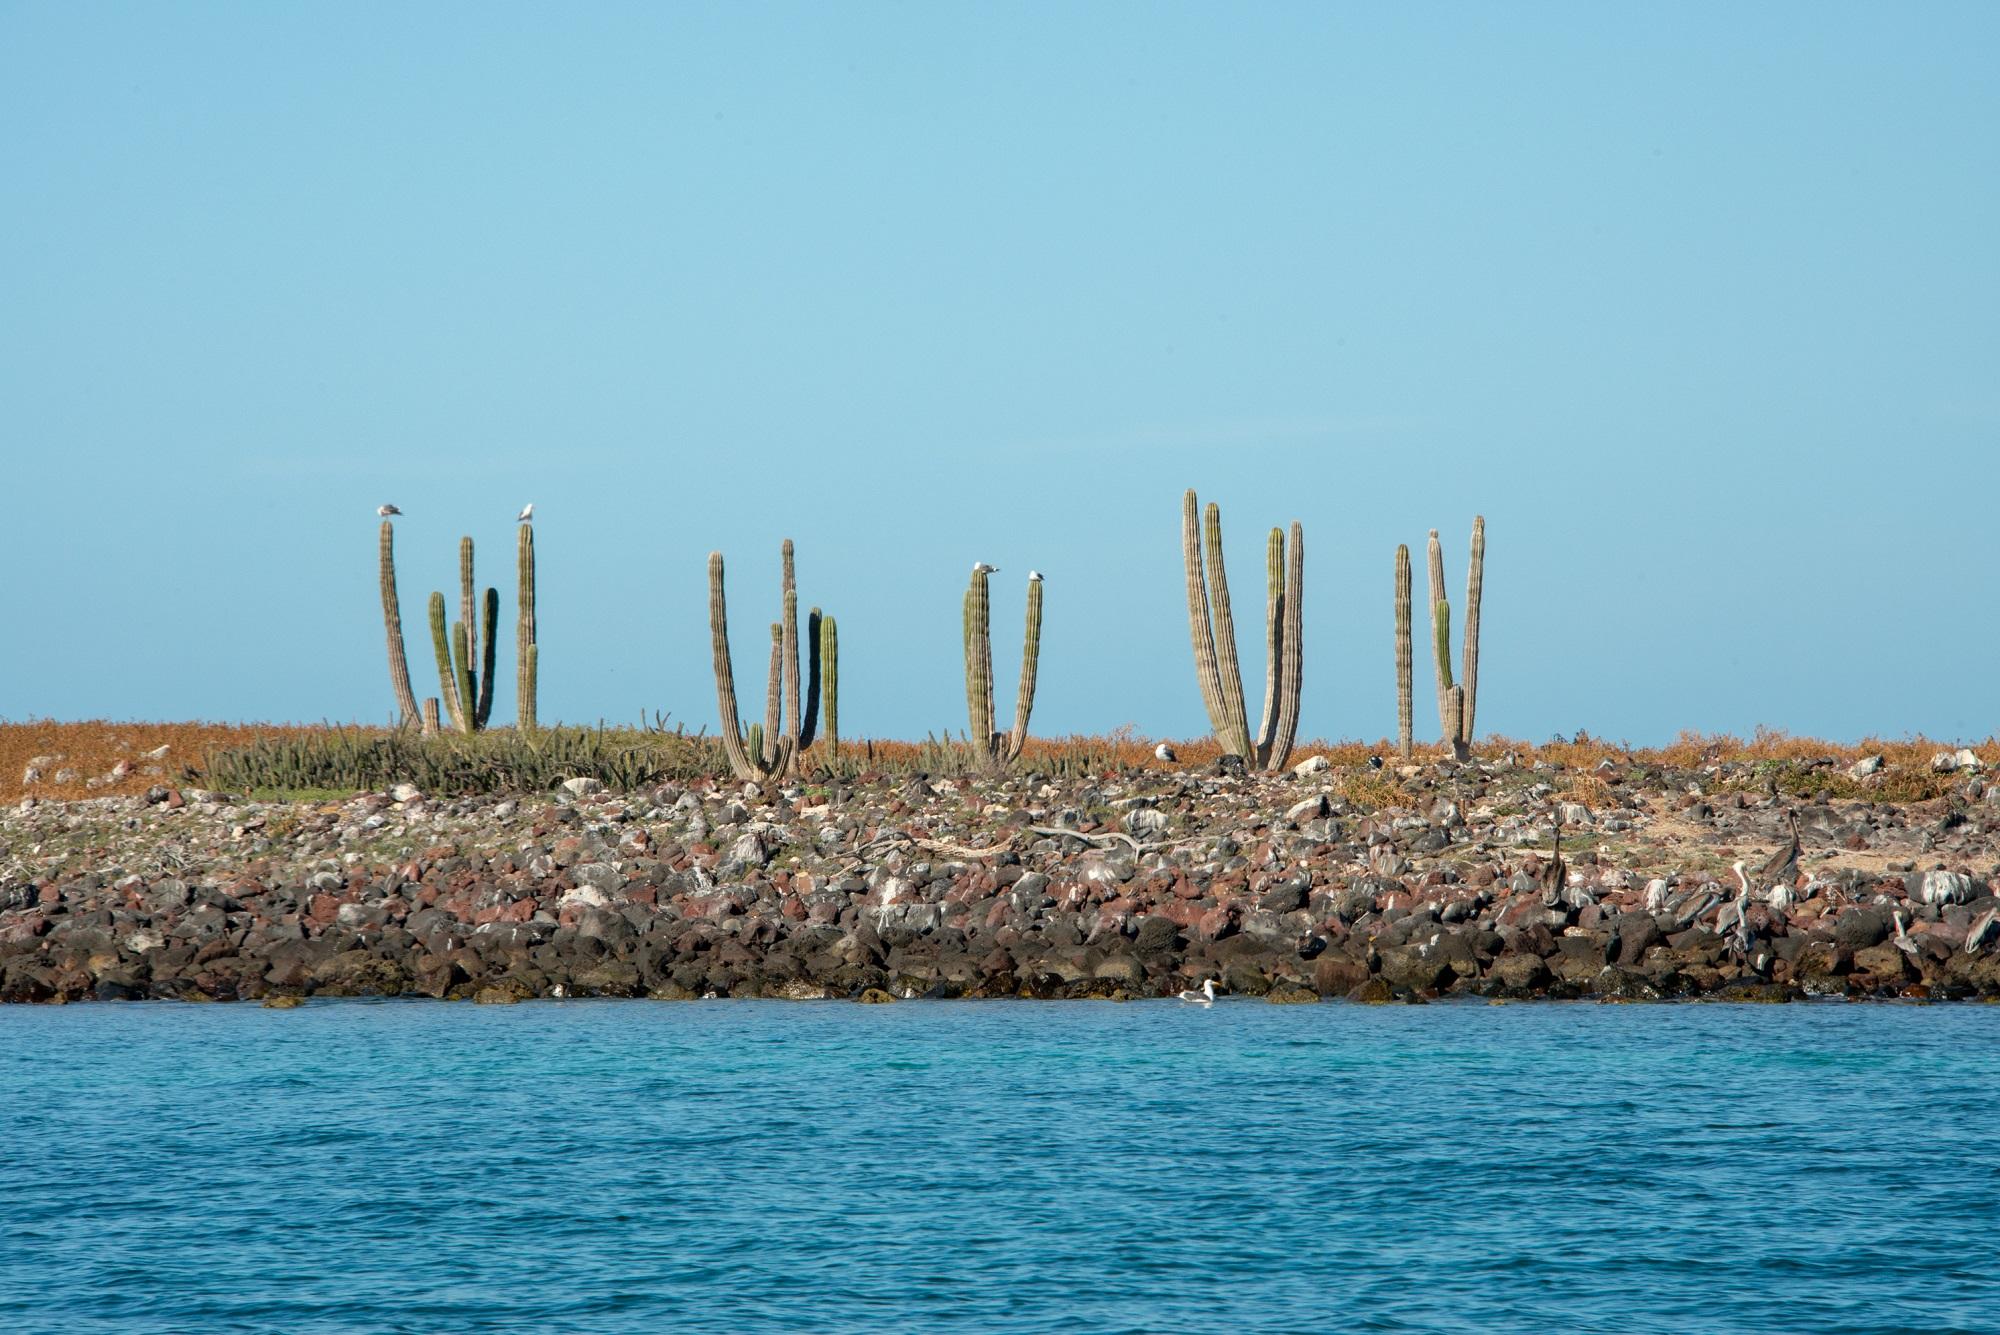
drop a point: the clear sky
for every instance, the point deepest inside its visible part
(1698, 304)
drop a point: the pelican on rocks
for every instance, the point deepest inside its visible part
(1205, 997)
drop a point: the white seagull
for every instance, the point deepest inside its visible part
(1205, 997)
(981, 568)
(527, 515)
(1034, 577)
(386, 510)
(1164, 752)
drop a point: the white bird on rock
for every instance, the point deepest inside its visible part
(1205, 997)
(527, 515)
(386, 510)
(1164, 752)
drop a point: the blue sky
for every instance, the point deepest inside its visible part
(1698, 304)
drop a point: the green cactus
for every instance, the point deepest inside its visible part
(829, 656)
(1212, 628)
(447, 678)
(997, 747)
(1457, 700)
(754, 764)
(525, 648)
(392, 624)
(465, 679)
(1404, 657)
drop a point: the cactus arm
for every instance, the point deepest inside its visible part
(447, 675)
(468, 603)
(1475, 586)
(1031, 654)
(1237, 739)
(1291, 654)
(829, 659)
(429, 714)
(468, 695)
(789, 646)
(392, 628)
(1200, 630)
(774, 699)
(1454, 700)
(1435, 564)
(524, 632)
(1404, 665)
(979, 665)
(1274, 637)
(725, 679)
(489, 642)
(809, 716)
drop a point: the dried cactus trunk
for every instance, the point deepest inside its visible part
(1475, 585)
(1031, 655)
(1435, 564)
(741, 763)
(1212, 628)
(829, 655)
(978, 666)
(392, 626)
(430, 716)
(1404, 666)
(524, 632)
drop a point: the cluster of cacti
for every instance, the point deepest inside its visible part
(772, 749)
(1002, 748)
(1457, 700)
(465, 677)
(1212, 628)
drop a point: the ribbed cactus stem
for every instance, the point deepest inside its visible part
(447, 674)
(468, 606)
(1475, 585)
(1435, 567)
(1031, 654)
(392, 627)
(462, 679)
(1201, 630)
(524, 631)
(489, 642)
(1454, 721)
(1441, 634)
(1274, 635)
(1405, 717)
(1277, 749)
(829, 667)
(774, 699)
(809, 717)
(979, 666)
(1236, 739)
(429, 715)
(789, 648)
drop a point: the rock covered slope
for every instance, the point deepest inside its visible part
(1405, 884)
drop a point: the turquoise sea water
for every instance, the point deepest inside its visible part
(769, 1166)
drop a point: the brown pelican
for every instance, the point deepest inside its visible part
(1782, 868)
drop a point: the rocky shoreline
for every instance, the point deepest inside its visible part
(1411, 883)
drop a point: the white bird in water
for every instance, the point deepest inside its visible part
(981, 568)
(527, 515)
(1164, 752)
(1034, 577)
(1205, 997)
(386, 510)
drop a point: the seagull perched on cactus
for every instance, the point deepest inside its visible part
(386, 510)
(527, 515)
(1034, 577)
(981, 568)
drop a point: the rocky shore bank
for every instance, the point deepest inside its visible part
(1400, 884)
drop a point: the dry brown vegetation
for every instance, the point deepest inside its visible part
(94, 749)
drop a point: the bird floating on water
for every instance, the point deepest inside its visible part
(1205, 997)
(1164, 752)
(981, 568)
(527, 515)
(386, 510)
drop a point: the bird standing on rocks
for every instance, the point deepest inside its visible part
(386, 510)
(1783, 866)
(527, 515)
(1165, 752)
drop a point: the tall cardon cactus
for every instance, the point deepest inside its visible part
(1405, 664)
(775, 746)
(1457, 699)
(1001, 748)
(1212, 628)
(392, 625)
(526, 649)
(465, 678)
